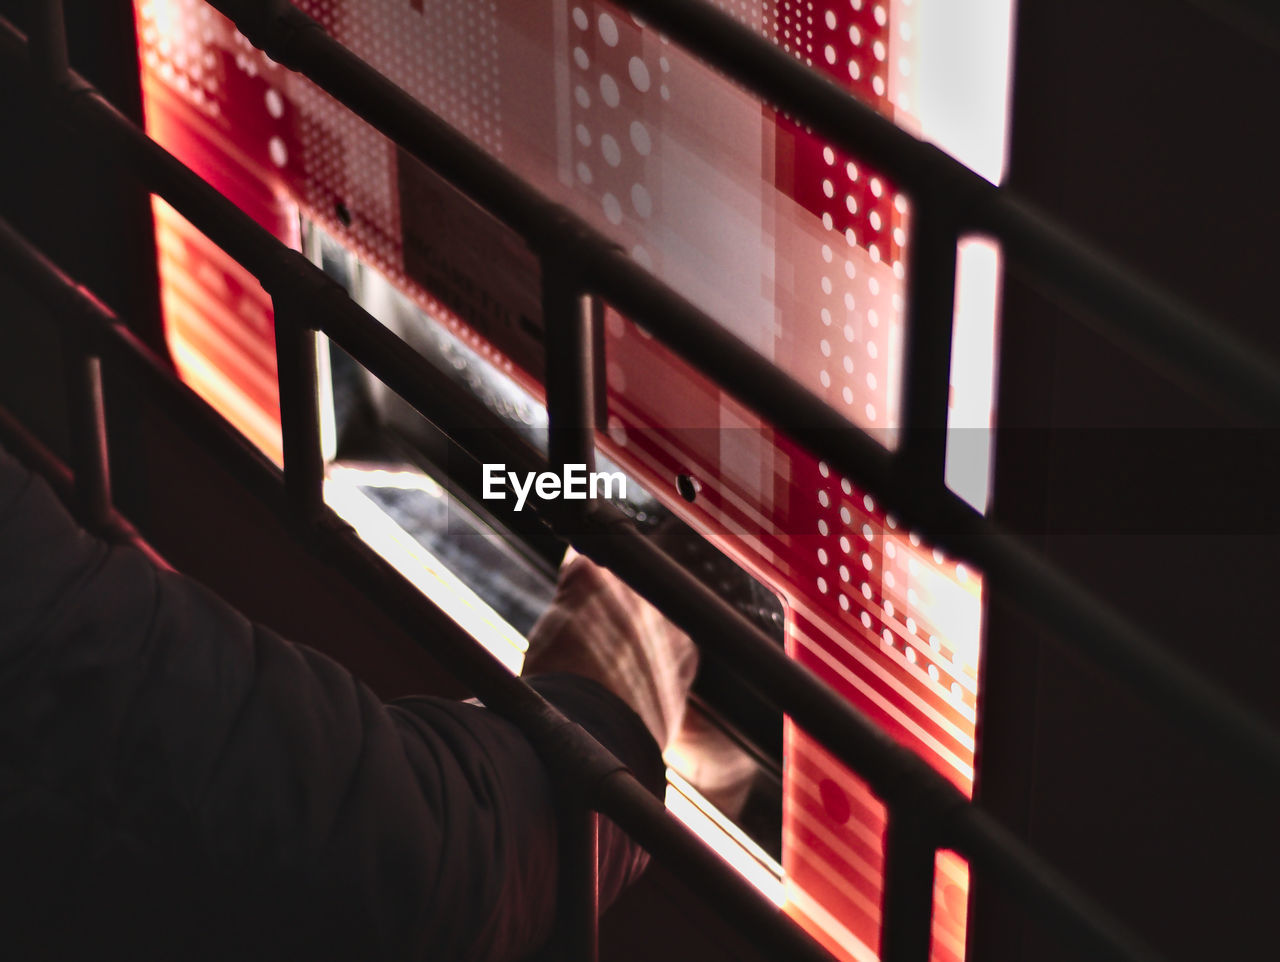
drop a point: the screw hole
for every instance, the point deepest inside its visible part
(688, 487)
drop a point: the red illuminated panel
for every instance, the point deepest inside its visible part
(795, 247)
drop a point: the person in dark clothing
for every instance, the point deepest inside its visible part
(179, 783)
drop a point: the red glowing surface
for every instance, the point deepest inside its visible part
(796, 247)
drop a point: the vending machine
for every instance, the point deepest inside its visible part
(796, 247)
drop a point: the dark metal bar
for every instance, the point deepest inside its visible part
(88, 430)
(578, 897)
(570, 366)
(299, 398)
(86, 416)
(83, 315)
(931, 288)
(894, 773)
(812, 99)
(906, 917)
(48, 40)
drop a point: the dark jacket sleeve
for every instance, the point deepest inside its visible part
(177, 782)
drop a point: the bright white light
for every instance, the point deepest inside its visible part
(962, 79)
(968, 457)
(324, 385)
(724, 838)
(419, 566)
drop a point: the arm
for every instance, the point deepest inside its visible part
(173, 773)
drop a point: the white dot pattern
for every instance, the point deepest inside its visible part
(613, 57)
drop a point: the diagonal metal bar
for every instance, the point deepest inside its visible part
(926, 367)
(906, 918)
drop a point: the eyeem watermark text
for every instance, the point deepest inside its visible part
(575, 484)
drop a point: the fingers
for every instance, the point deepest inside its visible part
(598, 627)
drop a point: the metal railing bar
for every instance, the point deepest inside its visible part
(926, 368)
(570, 366)
(48, 39)
(88, 434)
(85, 413)
(570, 397)
(577, 933)
(76, 308)
(744, 373)
(894, 772)
(906, 916)
(918, 168)
(299, 401)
